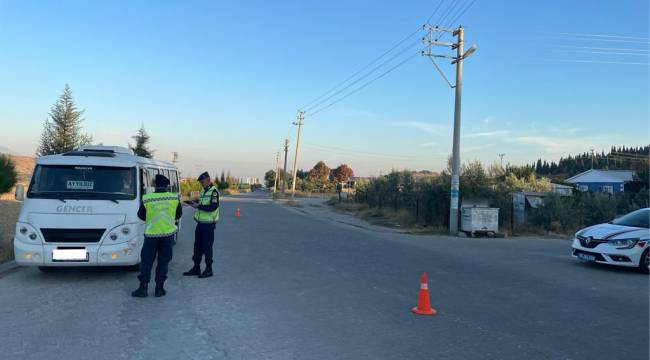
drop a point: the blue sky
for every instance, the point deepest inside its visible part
(220, 82)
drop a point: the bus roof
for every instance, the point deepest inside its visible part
(99, 155)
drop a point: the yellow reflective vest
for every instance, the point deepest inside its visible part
(205, 198)
(161, 214)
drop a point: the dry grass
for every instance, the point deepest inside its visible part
(8, 215)
(24, 166)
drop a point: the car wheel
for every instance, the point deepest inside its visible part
(644, 263)
(47, 269)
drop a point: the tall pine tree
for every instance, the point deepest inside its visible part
(141, 147)
(62, 130)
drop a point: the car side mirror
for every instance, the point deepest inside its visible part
(20, 193)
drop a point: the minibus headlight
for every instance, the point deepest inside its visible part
(33, 236)
(126, 230)
(113, 236)
(23, 230)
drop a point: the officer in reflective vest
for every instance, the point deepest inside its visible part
(160, 211)
(206, 216)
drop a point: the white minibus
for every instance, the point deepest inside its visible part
(81, 208)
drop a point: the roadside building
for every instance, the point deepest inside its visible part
(563, 190)
(607, 181)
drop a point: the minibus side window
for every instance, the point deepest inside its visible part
(152, 177)
(144, 180)
(173, 179)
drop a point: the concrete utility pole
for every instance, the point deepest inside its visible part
(459, 33)
(277, 171)
(592, 158)
(298, 123)
(284, 172)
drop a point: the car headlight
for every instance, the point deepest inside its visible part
(623, 243)
(27, 233)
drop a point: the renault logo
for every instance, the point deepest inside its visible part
(588, 240)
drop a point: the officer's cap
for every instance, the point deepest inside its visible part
(205, 175)
(161, 181)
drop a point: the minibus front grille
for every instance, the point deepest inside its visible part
(72, 235)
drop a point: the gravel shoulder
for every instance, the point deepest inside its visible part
(8, 215)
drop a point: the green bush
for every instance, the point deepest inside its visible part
(427, 200)
(8, 175)
(556, 214)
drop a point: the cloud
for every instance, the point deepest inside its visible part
(570, 131)
(563, 145)
(600, 62)
(467, 149)
(429, 128)
(488, 119)
(429, 144)
(487, 134)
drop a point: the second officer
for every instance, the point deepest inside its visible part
(206, 217)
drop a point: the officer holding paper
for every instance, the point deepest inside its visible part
(206, 217)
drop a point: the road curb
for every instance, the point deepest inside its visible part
(8, 266)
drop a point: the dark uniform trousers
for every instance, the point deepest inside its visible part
(160, 246)
(203, 241)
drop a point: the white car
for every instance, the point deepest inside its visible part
(623, 242)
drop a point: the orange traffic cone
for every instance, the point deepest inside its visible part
(237, 213)
(424, 304)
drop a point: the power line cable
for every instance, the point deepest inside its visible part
(327, 147)
(450, 8)
(434, 11)
(364, 76)
(396, 45)
(363, 68)
(365, 85)
(460, 15)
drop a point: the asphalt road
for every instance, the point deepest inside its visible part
(293, 286)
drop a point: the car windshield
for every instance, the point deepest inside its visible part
(639, 218)
(83, 182)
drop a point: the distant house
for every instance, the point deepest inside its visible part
(563, 190)
(352, 181)
(608, 181)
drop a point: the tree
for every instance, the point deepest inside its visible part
(302, 174)
(269, 178)
(342, 173)
(320, 172)
(141, 141)
(7, 174)
(62, 130)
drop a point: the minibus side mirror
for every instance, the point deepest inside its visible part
(20, 192)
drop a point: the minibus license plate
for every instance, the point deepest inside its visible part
(69, 255)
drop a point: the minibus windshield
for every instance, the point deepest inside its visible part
(83, 182)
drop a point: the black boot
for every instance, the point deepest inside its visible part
(206, 273)
(160, 290)
(141, 291)
(195, 271)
